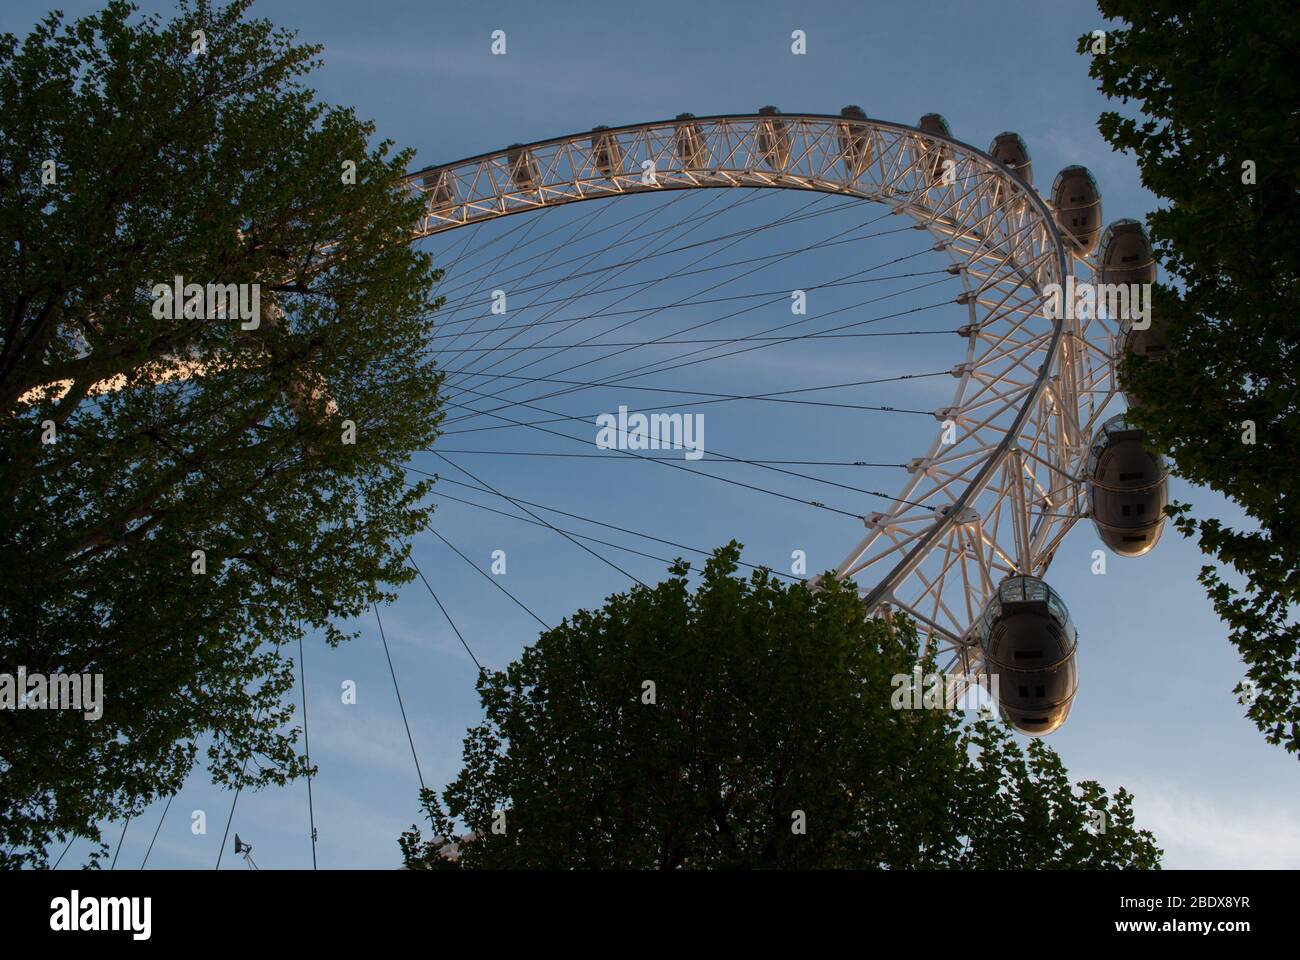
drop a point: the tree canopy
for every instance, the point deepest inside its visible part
(186, 495)
(1218, 141)
(751, 724)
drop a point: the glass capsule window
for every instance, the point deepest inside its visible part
(1101, 440)
(1116, 424)
(1022, 590)
(1119, 226)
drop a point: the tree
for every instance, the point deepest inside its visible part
(750, 724)
(1219, 141)
(218, 481)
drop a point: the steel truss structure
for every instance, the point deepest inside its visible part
(1001, 483)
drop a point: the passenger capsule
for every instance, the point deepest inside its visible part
(1150, 341)
(1126, 258)
(692, 151)
(1029, 647)
(438, 188)
(523, 167)
(773, 139)
(1128, 488)
(936, 124)
(1126, 255)
(1009, 150)
(931, 155)
(855, 141)
(606, 152)
(1077, 202)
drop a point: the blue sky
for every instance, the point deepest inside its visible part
(1155, 712)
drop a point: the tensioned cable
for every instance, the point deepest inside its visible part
(851, 200)
(244, 769)
(602, 456)
(496, 583)
(230, 819)
(152, 841)
(743, 235)
(678, 466)
(554, 250)
(774, 396)
(980, 174)
(476, 228)
(391, 670)
(306, 743)
(585, 417)
(650, 312)
(695, 303)
(596, 384)
(450, 269)
(590, 289)
(396, 689)
(586, 291)
(583, 546)
(120, 841)
(157, 829)
(597, 282)
(723, 456)
(64, 853)
(489, 241)
(680, 343)
(797, 216)
(575, 516)
(644, 215)
(537, 523)
(535, 222)
(506, 254)
(682, 227)
(464, 249)
(616, 546)
(642, 371)
(641, 215)
(676, 361)
(433, 593)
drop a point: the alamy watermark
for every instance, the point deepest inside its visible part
(75, 913)
(943, 691)
(1081, 300)
(21, 690)
(658, 431)
(179, 300)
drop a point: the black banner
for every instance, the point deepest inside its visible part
(255, 908)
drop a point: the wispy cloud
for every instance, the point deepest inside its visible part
(1201, 832)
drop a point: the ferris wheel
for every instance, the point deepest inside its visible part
(1026, 446)
(1027, 443)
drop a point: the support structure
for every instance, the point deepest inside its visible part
(1000, 483)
